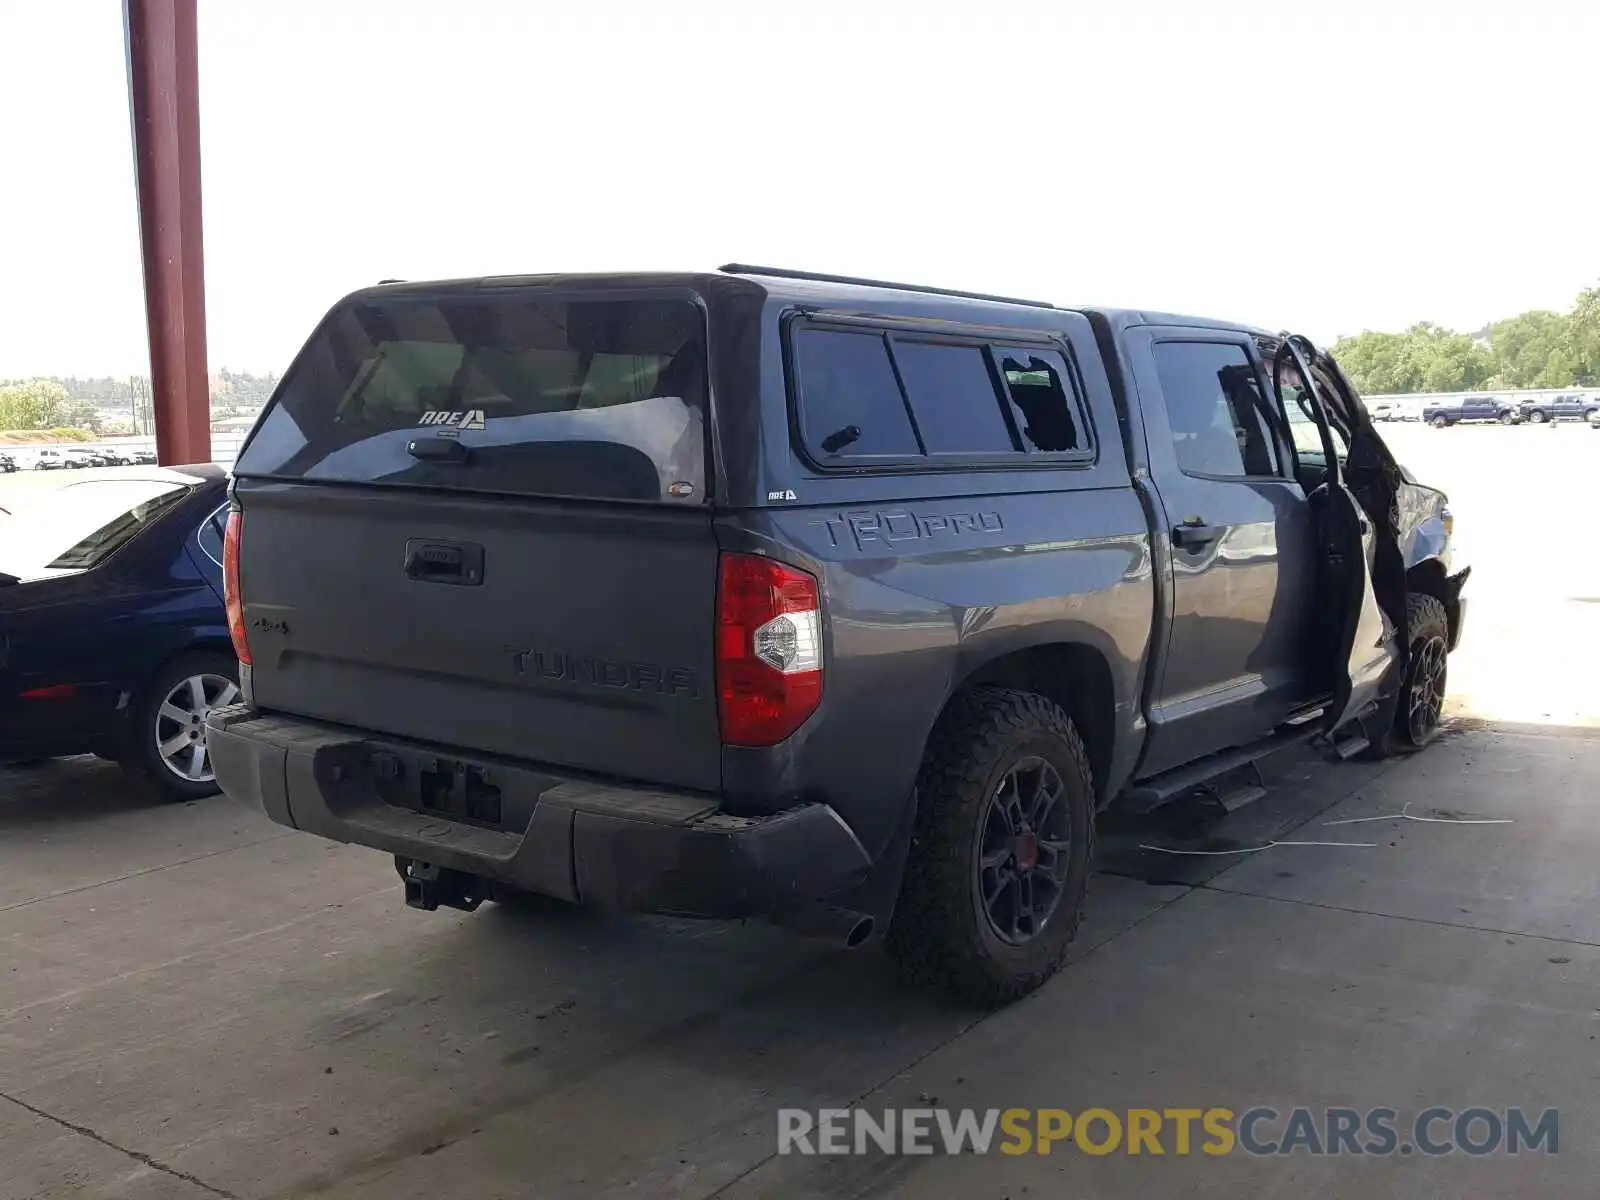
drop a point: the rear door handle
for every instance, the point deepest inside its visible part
(459, 563)
(1195, 533)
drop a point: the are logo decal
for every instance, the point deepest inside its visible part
(461, 418)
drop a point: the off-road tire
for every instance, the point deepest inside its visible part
(1425, 619)
(940, 938)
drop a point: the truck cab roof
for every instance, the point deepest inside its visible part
(807, 289)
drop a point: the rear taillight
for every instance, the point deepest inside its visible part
(232, 598)
(769, 649)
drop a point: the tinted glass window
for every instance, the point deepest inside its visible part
(1039, 391)
(850, 403)
(1215, 408)
(210, 534)
(600, 398)
(953, 398)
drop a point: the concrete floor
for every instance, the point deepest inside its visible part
(194, 1002)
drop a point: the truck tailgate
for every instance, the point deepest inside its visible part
(573, 633)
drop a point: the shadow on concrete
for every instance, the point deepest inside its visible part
(61, 791)
(596, 1055)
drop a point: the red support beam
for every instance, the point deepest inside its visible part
(164, 100)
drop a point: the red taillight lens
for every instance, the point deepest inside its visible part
(769, 649)
(55, 691)
(232, 598)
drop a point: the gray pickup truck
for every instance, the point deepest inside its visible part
(839, 602)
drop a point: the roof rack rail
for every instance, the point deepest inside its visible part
(817, 276)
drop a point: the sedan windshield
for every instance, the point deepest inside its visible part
(79, 526)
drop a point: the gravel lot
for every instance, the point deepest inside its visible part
(194, 1002)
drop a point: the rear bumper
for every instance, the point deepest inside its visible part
(611, 845)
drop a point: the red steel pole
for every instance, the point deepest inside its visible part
(164, 101)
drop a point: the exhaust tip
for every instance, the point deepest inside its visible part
(859, 932)
(840, 926)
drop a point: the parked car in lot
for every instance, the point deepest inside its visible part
(843, 603)
(144, 457)
(49, 459)
(113, 637)
(1573, 406)
(1472, 409)
(7, 464)
(1384, 410)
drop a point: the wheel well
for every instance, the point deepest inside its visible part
(202, 645)
(1427, 577)
(1072, 675)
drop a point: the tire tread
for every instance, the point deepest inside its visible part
(930, 937)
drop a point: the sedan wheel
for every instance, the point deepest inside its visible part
(180, 726)
(167, 746)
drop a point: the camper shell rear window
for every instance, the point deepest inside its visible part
(594, 395)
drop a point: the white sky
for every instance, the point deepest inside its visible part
(1325, 167)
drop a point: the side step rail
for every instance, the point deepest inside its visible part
(1154, 792)
(1247, 790)
(1350, 739)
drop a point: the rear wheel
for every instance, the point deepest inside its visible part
(999, 864)
(1439, 422)
(167, 745)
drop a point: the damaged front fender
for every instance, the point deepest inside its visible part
(1455, 604)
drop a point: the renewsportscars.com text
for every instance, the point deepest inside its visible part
(1261, 1131)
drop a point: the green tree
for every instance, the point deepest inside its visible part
(1583, 337)
(81, 414)
(33, 404)
(1525, 346)
(1377, 363)
(1425, 358)
(1445, 361)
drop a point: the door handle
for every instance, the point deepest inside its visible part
(1194, 533)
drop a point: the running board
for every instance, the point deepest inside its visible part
(1154, 792)
(1246, 792)
(1346, 742)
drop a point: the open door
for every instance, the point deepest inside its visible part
(1358, 644)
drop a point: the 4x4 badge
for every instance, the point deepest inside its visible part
(466, 418)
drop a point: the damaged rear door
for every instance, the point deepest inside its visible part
(1356, 641)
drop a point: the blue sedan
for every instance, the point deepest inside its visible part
(113, 638)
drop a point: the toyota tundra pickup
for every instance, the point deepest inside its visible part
(843, 603)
